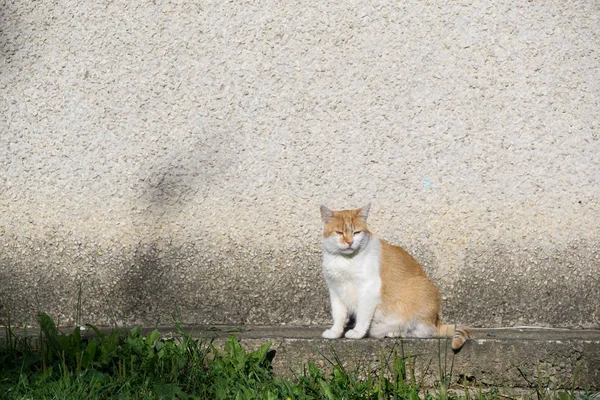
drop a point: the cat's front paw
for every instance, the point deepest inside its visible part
(331, 334)
(354, 334)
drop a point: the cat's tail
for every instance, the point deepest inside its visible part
(459, 334)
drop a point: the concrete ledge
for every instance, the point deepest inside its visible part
(507, 358)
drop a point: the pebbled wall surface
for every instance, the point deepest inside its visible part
(168, 156)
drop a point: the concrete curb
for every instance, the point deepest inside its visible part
(506, 358)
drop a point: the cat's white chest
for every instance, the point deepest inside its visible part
(353, 278)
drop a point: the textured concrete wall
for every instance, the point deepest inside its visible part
(167, 155)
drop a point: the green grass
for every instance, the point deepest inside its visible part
(130, 365)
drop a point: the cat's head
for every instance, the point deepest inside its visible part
(345, 231)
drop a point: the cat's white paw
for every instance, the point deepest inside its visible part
(331, 334)
(354, 334)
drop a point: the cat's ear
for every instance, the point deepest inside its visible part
(364, 212)
(326, 214)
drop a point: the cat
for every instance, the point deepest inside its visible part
(382, 287)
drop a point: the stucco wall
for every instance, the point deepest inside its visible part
(173, 155)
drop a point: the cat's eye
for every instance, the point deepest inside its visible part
(357, 232)
(339, 233)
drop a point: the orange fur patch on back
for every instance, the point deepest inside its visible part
(406, 291)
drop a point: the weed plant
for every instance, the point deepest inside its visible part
(131, 365)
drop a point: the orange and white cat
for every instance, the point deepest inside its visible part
(380, 285)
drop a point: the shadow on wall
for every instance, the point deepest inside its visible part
(148, 284)
(29, 284)
(168, 189)
(183, 174)
(516, 287)
(14, 292)
(150, 287)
